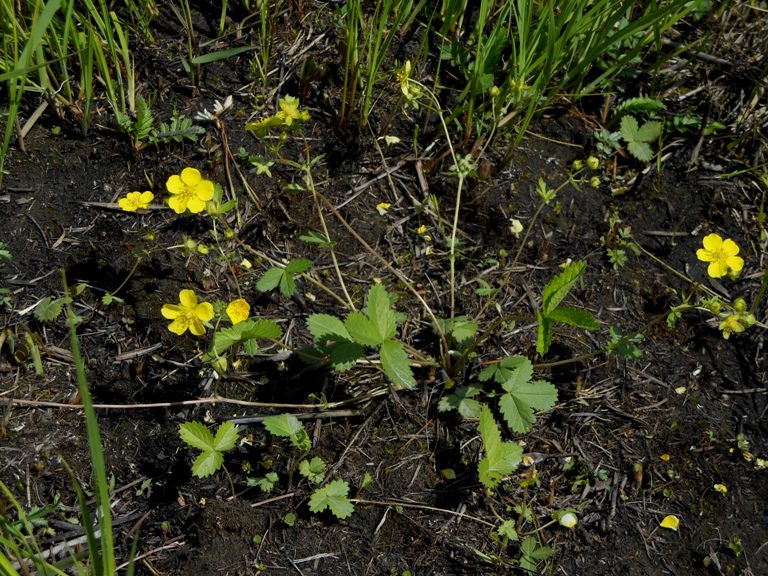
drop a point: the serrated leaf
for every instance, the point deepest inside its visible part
(362, 330)
(48, 309)
(560, 285)
(313, 237)
(288, 426)
(518, 403)
(327, 327)
(344, 355)
(225, 438)
(649, 132)
(287, 284)
(640, 150)
(394, 360)
(197, 435)
(629, 128)
(501, 458)
(543, 334)
(207, 463)
(462, 400)
(270, 279)
(298, 266)
(460, 328)
(639, 104)
(577, 317)
(379, 309)
(332, 496)
(313, 470)
(507, 530)
(242, 331)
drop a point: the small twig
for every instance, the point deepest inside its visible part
(395, 503)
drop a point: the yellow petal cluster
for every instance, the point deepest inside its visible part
(189, 191)
(238, 310)
(188, 314)
(289, 111)
(722, 255)
(134, 201)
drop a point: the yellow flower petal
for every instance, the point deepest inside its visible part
(204, 311)
(196, 327)
(170, 311)
(178, 204)
(188, 298)
(735, 263)
(191, 176)
(238, 311)
(722, 488)
(670, 522)
(665, 457)
(195, 205)
(712, 242)
(179, 326)
(204, 190)
(174, 185)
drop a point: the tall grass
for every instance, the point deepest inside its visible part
(68, 52)
(20, 543)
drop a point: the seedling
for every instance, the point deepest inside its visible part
(332, 496)
(288, 426)
(197, 435)
(284, 278)
(266, 483)
(501, 458)
(551, 310)
(313, 470)
(343, 342)
(639, 138)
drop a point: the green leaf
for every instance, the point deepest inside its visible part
(288, 426)
(197, 435)
(629, 128)
(313, 470)
(462, 399)
(501, 458)
(649, 132)
(634, 105)
(221, 54)
(326, 327)
(314, 237)
(510, 370)
(640, 150)
(207, 463)
(332, 496)
(544, 333)
(379, 310)
(560, 285)
(394, 360)
(265, 484)
(344, 355)
(48, 309)
(226, 436)
(270, 279)
(242, 331)
(460, 328)
(287, 284)
(298, 266)
(518, 403)
(362, 330)
(577, 317)
(507, 530)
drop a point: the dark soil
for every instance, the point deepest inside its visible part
(630, 441)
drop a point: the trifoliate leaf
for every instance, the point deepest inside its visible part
(226, 436)
(379, 310)
(501, 458)
(207, 463)
(298, 266)
(629, 128)
(270, 279)
(332, 496)
(640, 150)
(197, 435)
(510, 370)
(577, 317)
(242, 331)
(394, 360)
(288, 426)
(287, 284)
(313, 470)
(462, 399)
(48, 309)
(327, 327)
(344, 355)
(362, 330)
(518, 403)
(560, 285)
(649, 132)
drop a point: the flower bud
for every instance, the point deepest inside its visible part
(577, 165)
(594, 181)
(740, 305)
(593, 163)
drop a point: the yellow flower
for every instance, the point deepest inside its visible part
(670, 522)
(722, 488)
(730, 325)
(569, 520)
(721, 255)
(421, 230)
(135, 201)
(189, 191)
(382, 207)
(410, 90)
(188, 314)
(289, 111)
(238, 310)
(665, 457)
